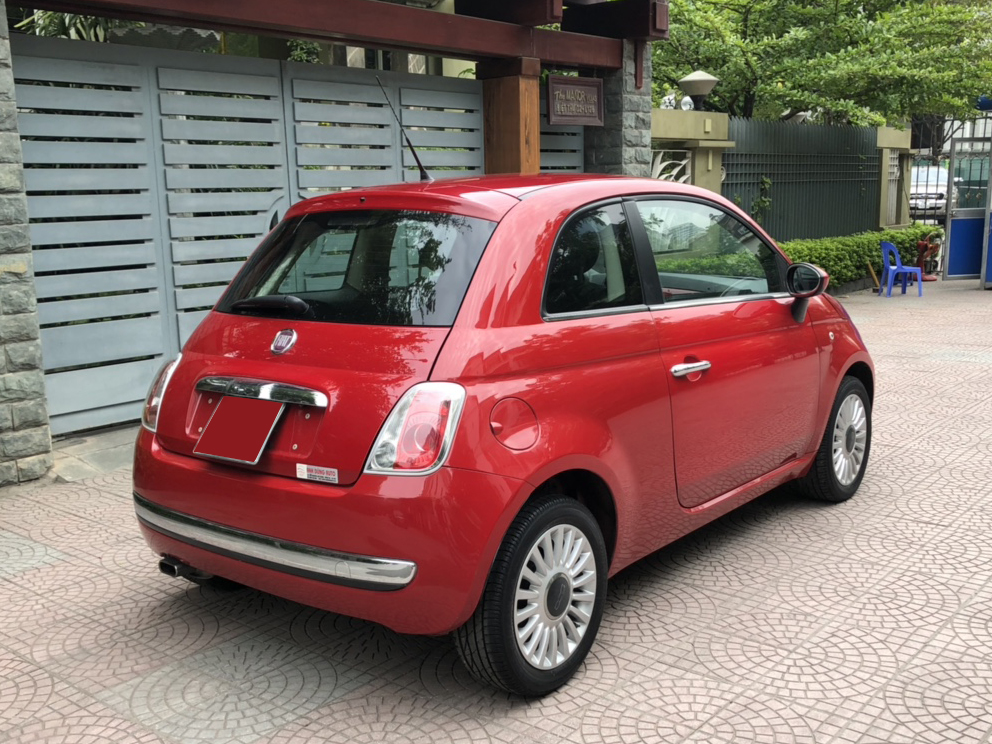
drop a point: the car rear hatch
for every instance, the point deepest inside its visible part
(327, 325)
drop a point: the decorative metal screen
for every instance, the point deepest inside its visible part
(893, 186)
(671, 165)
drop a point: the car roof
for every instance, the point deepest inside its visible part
(487, 197)
(934, 175)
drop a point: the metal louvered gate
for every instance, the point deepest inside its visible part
(151, 175)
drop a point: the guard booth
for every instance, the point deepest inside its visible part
(968, 210)
(985, 281)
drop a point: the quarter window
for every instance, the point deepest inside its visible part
(593, 266)
(702, 252)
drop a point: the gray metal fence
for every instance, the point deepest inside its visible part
(152, 174)
(562, 147)
(804, 181)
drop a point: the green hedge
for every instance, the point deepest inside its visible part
(846, 259)
(734, 264)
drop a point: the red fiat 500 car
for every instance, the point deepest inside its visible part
(460, 406)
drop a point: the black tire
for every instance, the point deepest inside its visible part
(487, 643)
(822, 482)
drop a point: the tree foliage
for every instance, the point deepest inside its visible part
(71, 25)
(858, 61)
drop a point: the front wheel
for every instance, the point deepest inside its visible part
(843, 455)
(543, 601)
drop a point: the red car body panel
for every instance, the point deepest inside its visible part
(362, 369)
(544, 397)
(762, 363)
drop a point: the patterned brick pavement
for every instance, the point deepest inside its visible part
(786, 622)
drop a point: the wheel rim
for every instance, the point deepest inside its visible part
(555, 597)
(850, 439)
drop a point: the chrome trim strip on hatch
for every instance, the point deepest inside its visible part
(277, 391)
(308, 561)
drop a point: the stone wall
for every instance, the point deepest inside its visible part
(25, 440)
(623, 146)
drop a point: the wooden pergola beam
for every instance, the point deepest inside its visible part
(521, 12)
(623, 19)
(365, 22)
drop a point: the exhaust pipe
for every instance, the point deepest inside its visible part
(176, 568)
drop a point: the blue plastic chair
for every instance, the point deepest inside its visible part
(891, 269)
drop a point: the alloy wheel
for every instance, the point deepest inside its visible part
(850, 439)
(555, 596)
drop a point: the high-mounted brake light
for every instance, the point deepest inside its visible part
(153, 402)
(417, 436)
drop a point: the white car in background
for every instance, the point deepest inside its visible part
(928, 192)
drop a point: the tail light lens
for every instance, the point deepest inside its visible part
(153, 402)
(417, 436)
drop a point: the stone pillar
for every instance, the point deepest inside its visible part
(707, 166)
(25, 439)
(703, 134)
(893, 141)
(623, 146)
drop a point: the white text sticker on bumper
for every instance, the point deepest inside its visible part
(315, 473)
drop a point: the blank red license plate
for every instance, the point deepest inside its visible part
(239, 429)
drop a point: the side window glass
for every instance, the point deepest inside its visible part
(702, 252)
(593, 265)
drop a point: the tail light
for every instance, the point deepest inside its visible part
(417, 436)
(153, 402)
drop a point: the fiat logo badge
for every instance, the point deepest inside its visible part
(284, 341)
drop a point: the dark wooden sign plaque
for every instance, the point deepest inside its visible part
(575, 101)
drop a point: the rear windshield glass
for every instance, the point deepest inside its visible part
(377, 267)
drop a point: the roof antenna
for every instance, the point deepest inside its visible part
(424, 175)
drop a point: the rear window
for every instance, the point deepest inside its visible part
(377, 267)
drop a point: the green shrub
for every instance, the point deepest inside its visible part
(734, 264)
(846, 259)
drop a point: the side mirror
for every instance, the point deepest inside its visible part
(803, 281)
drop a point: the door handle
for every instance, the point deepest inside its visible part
(681, 370)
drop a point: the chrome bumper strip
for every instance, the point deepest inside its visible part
(347, 569)
(277, 391)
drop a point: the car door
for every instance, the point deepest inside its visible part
(742, 374)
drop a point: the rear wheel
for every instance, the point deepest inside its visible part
(843, 455)
(543, 601)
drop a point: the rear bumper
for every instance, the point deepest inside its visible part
(410, 553)
(319, 564)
